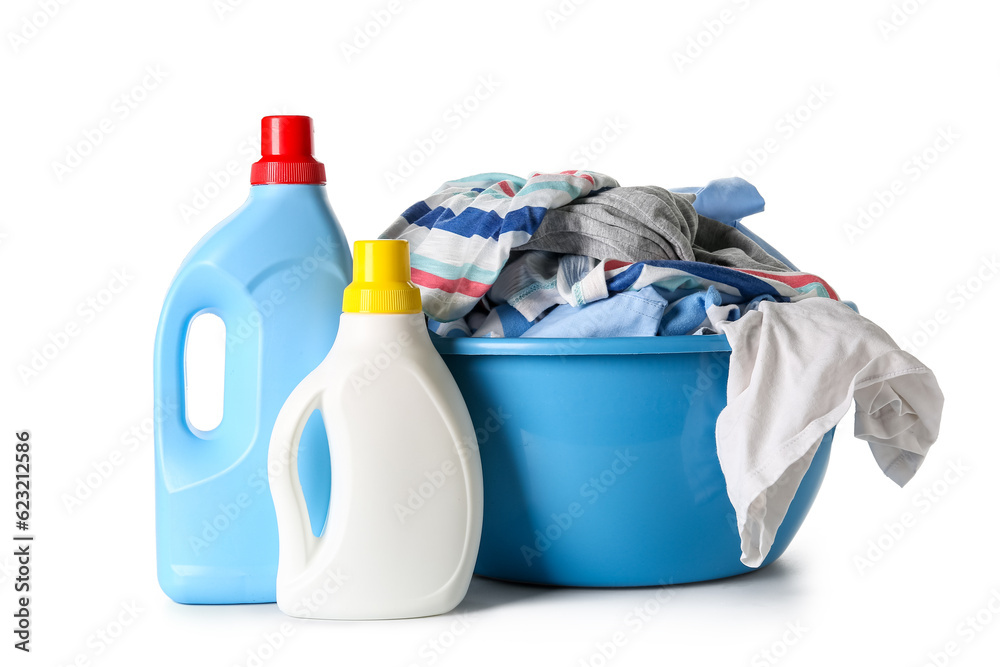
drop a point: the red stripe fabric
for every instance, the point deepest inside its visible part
(460, 286)
(612, 264)
(795, 280)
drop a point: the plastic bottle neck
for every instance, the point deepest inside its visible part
(282, 190)
(374, 330)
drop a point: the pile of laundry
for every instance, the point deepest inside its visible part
(574, 254)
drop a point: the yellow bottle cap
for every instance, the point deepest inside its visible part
(382, 279)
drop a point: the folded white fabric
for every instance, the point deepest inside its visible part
(794, 370)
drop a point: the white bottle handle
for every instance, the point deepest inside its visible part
(296, 542)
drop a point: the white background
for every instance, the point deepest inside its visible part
(887, 92)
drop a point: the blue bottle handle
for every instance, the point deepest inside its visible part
(203, 455)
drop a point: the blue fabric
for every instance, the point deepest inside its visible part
(514, 323)
(416, 211)
(625, 314)
(727, 200)
(687, 314)
(457, 329)
(754, 304)
(476, 222)
(744, 282)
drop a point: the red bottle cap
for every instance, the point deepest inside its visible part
(286, 147)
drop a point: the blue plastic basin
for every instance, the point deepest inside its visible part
(599, 459)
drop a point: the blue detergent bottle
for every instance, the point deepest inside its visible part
(274, 272)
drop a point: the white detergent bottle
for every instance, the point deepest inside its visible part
(406, 504)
